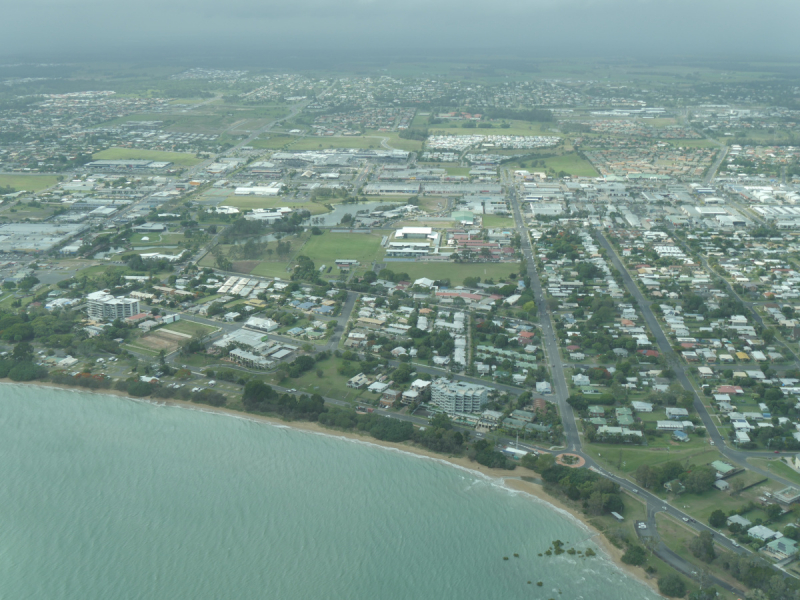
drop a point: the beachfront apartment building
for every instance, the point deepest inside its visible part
(102, 306)
(458, 397)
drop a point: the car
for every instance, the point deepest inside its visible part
(635, 491)
(642, 525)
(292, 391)
(777, 451)
(663, 508)
(735, 545)
(685, 520)
(711, 442)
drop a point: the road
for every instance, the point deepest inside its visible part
(550, 342)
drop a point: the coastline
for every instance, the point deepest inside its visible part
(508, 479)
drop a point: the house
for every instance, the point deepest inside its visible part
(680, 436)
(676, 413)
(358, 381)
(738, 520)
(722, 485)
(760, 532)
(675, 486)
(378, 387)
(580, 380)
(596, 411)
(782, 547)
(543, 387)
(669, 426)
(420, 384)
(642, 407)
(723, 469)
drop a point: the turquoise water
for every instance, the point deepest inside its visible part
(103, 497)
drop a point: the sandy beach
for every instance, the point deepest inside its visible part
(511, 479)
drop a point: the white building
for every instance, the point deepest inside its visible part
(102, 306)
(457, 396)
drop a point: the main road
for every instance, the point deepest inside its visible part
(550, 342)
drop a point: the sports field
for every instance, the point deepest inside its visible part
(326, 248)
(29, 183)
(183, 159)
(455, 272)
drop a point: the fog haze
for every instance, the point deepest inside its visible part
(250, 28)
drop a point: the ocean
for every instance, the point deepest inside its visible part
(104, 497)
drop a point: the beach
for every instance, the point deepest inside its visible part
(509, 479)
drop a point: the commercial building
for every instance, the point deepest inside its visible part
(102, 306)
(457, 396)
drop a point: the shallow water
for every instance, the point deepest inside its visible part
(105, 497)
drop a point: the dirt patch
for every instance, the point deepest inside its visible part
(159, 340)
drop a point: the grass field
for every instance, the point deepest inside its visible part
(273, 142)
(572, 164)
(251, 202)
(315, 143)
(326, 248)
(183, 159)
(155, 239)
(395, 141)
(29, 183)
(496, 221)
(331, 384)
(455, 272)
(778, 467)
(191, 328)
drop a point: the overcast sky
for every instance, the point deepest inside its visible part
(262, 29)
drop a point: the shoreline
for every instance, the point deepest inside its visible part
(506, 478)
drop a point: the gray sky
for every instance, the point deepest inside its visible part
(716, 28)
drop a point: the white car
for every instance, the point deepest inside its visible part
(642, 525)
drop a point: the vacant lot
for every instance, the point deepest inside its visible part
(190, 328)
(572, 164)
(28, 183)
(179, 158)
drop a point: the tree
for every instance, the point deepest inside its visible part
(701, 479)
(774, 511)
(672, 585)
(717, 519)
(703, 546)
(23, 352)
(634, 555)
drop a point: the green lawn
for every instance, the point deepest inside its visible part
(496, 221)
(331, 384)
(269, 268)
(317, 142)
(155, 239)
(191, 328)
(184, 159)
(778, 467)
(326, 248)
(29, 183)
(572, 164)
(455, 272)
